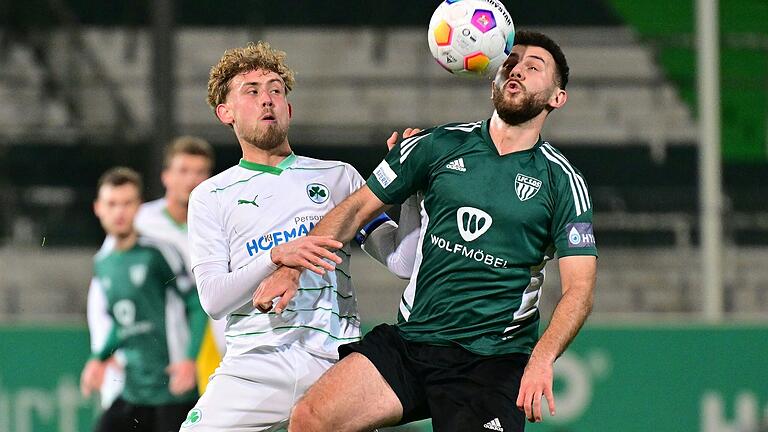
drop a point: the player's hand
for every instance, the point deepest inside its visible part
(407, 133)
(183, 376)
(309, 252)
(92, 377)
(535, 385)
(282, 283)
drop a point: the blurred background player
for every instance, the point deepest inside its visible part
(465, 350)
(136, 275)
(188, 160)
(249, 219)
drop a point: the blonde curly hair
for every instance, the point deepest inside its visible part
(235, 61)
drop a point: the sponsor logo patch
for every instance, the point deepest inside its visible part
(580, 235)
(384, 174)
(472, 222)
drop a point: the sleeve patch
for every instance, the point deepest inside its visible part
(384, 174)
(580, 235)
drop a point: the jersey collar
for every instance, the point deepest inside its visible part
(488, 140)
(180, 226)
(276, 170)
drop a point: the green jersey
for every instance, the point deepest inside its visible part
(137, 283)
(489, 224)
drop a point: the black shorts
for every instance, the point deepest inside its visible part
(124, 416)
(459, 390)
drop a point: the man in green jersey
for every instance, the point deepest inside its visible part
(137, 276)
(499, 202)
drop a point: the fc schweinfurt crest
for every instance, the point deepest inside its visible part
(526, 187)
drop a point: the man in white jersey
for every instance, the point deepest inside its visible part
(252, 218)
(188, 161)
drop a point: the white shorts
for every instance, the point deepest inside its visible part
(255, 391)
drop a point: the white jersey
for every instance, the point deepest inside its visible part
(242, 213)
(153, 220)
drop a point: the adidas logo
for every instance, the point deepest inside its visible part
(494, 424)
(457, 165)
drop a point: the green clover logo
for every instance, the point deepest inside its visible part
(193, 418)
(318, 193)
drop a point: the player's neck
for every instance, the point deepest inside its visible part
(126, 241)
(176, 210)
(270, 157)
(513, 138)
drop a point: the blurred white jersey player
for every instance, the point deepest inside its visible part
(188, 161)
(247, 221)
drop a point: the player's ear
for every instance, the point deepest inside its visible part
(290, 111)
(164, 178)
(224, 114)
(558, 99)
(96, 208)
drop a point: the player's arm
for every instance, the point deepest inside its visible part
(341, 223)
(183, 373)
(395, 244)
(577, 274)
(221, 290)
(574, 241)
(93, 372)
(394, 180)
(99, 321)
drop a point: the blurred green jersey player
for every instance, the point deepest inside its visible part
(137, 276)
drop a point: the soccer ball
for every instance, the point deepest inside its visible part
(471, 37)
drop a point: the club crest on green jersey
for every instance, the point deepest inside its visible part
(318, 193)
(194, 417)
(526, 187)
(138, 274)
(472, 222)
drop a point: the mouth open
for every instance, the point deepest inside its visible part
(514, 87)
(269, 118)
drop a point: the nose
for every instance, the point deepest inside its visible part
(266, 100)
(516, 72)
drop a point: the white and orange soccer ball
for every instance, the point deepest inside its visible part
(471, 37)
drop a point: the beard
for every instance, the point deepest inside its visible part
(271, 137)
(515, 113)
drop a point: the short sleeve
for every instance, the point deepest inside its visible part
(572, 230)
(207, 239)
(404, 170)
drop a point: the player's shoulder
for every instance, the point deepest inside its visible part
(150, 210)
(220, 181)
(161, 250)
(304, 162)
(447, 136)
(153, 206)
(332, 167)
(559, 164)
(458, 130)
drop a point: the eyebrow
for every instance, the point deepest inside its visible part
(257, 84)
(537, 58)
